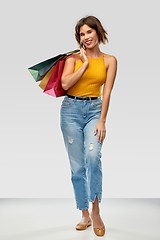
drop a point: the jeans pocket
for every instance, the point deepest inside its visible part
(67, 102)
(97, 103)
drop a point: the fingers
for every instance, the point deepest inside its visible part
(101, 135)
(83, 56)
(82, 52)
(95, 131)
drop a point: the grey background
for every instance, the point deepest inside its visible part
(33, 160)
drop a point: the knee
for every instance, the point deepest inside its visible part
(93, 151)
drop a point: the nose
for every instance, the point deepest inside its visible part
(86, 36)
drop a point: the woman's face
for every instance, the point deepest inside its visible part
(88, 36)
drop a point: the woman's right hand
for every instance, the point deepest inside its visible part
(83, 56)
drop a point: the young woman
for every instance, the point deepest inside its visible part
(83, 117)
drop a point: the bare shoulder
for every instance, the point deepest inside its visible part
(109, 60)
(108, 57)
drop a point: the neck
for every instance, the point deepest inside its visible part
(93, 52)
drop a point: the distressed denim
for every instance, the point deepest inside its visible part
(78, 119)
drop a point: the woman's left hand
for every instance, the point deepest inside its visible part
(101, 129)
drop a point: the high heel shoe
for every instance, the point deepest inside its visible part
(84, 226)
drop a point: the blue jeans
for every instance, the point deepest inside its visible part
(78, 119)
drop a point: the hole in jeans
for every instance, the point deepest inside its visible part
(91, 146)
(70, 140)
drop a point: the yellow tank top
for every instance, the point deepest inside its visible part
(91, 82)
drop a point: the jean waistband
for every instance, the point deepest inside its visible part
(81, 98)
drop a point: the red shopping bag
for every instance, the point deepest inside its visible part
(54, 87)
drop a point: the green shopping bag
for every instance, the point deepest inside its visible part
(39, 70)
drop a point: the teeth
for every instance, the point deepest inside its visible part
(88, 42)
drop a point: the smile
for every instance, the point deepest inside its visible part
(88, 42)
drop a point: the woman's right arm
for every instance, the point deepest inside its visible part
(69, 77)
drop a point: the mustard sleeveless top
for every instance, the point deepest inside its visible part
(91, 82)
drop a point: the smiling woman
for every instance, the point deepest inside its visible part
(94, 24)
(88, 36)
(83, 117)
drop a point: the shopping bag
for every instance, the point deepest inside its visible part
(45, 80)
(39, 70)
(54, 87)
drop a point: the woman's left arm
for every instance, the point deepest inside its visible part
(108, 85)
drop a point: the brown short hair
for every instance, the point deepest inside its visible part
(94, 23)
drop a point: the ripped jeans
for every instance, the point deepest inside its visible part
(78, 119)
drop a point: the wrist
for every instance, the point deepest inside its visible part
(86, 64)
(102, 120)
